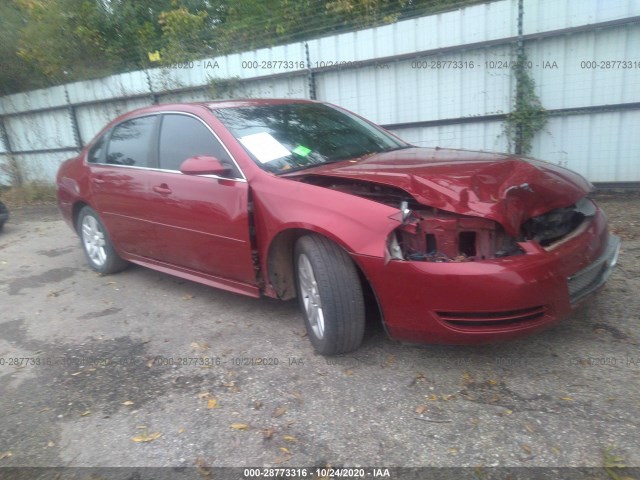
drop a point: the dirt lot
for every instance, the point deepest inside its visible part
(106, 371)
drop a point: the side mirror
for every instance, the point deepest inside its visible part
(203, 165)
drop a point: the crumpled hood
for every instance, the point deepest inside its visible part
(504, 188)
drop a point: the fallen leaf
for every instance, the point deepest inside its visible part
(555, 451)
(50, 444)
(390, 360)
(278, 412)
(146, 438)
(212, 403)
(257, 404)
(280, 460)
(4, 455)
(432, 397)
(507, 412)
(128, 402)
(418, 378)
(187, 297)
(240, 426)
(199, 346)
(181, 430)
(566, 399)
(348, 372)
(526, 448)
(492, 382)
(203, 468)
(290, 438)
(529, 428)
(285, 450)
(420, 409)
(204, 395)
(454, 451)
(86, 413)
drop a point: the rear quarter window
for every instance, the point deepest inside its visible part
(96, 152)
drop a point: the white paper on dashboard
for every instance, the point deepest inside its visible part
(264, 147)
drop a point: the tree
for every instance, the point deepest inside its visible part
(56, 39)
(184, 34)
(15, 74)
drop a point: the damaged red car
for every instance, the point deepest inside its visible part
(293, 198)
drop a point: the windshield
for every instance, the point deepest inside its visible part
(286, 137)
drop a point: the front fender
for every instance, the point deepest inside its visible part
(358, 225)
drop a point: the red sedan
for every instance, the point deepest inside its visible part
(292, 198)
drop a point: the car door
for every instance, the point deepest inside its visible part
(119, 164)
(202, 221)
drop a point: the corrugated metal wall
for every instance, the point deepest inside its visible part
(436, 80)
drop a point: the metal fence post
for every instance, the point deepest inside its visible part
(310, 75)
(77, 138)
(154, 96)
(519, 72)
(13, 167)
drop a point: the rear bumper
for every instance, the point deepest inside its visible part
(487, 301)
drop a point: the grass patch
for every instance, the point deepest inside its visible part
(34, 193)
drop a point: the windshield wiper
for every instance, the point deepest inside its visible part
(305, 167)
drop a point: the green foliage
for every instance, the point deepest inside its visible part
(182, 32)
(15, 74)
(57, 42)
(528, 117)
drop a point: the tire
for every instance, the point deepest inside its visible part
(330, 295)
(96, 243)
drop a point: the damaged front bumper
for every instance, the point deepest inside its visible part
(494, 299)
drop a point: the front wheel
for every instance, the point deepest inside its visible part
(97, 246)
(330, 295)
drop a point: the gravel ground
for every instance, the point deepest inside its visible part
(103, 385)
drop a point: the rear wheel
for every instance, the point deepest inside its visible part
(330, 295)
(97, 246)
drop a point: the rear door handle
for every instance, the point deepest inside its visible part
(98, 180)
(162, 189)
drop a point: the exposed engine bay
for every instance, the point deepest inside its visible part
(434, 235)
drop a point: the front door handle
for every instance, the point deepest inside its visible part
(162, 189)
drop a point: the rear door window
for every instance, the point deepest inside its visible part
(130, 142)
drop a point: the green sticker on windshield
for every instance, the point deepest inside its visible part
(302, 151)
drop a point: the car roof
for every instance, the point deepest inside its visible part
(241, 102)
(252, 102)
